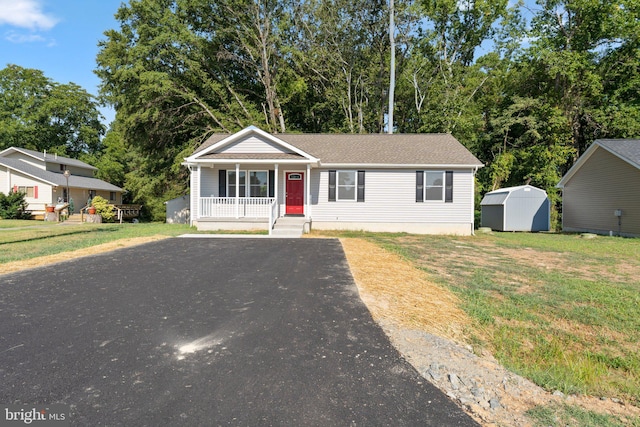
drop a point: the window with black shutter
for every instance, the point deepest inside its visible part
(332, 186)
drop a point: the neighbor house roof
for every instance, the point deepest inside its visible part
(49, 157)
(366, 149)
(627, 150)
(57, 179)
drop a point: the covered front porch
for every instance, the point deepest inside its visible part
(248, 180)
(249, 196)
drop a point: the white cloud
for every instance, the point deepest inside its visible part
(25, 14)
(14, 37)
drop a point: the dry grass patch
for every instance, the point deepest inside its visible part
(14, 266)
(396, 291)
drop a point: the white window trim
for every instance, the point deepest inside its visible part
(355, 186)
(231, 188)
(424, 190)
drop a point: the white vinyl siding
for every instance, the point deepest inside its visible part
(252, 145)
(208, 182)
(391, 197)
(45, 191)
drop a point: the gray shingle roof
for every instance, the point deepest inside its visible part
(494, 198)
(58, 179)
(379, 149)
(52, 158)
(628, 149)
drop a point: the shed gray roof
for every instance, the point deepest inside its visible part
(57, 179)
(494, 198)
(380, 149)
(499, 196)
(52, 158)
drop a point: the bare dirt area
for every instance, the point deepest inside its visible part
(429, 330)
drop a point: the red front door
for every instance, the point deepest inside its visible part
(295, 193)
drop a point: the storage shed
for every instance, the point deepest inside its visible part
(523, 208)
(178, 210)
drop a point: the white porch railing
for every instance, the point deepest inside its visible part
(230, 207)
(273, 214)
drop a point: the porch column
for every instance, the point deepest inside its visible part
(238, 190)
(275, 187)
(307, 188)
(198, 190)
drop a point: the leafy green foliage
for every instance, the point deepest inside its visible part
(103, 209)
(13, 206)
(40, 114)
(526, 96)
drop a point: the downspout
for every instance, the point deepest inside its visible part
(473, 202)
(307, 194)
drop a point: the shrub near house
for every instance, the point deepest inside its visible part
(13, 206)
(104, 209)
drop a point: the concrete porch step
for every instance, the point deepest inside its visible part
(73, 219)
(289, 227)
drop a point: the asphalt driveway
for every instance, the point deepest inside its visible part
(208, 332)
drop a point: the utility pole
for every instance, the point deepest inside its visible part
(392, 77)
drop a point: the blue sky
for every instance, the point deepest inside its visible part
(58, 37)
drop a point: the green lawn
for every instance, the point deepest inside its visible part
(558, 309)
(20, 239)
(30, 239)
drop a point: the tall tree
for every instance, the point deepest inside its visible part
(441, 78)
(40, 114)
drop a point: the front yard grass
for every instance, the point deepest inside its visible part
(41, 239)
(558, 309)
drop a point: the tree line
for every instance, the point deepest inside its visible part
(526, 87)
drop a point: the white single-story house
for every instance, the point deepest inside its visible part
(418, 183)
(41, 177)
(601, 191)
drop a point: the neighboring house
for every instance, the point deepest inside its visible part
(523, 208)
(41, 177)
(418, 183)
(601, 192)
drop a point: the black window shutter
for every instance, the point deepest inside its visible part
(222, 183)
(272, 182)
(419, 186)
(332, 186)
(360, 186)
(448, 187)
